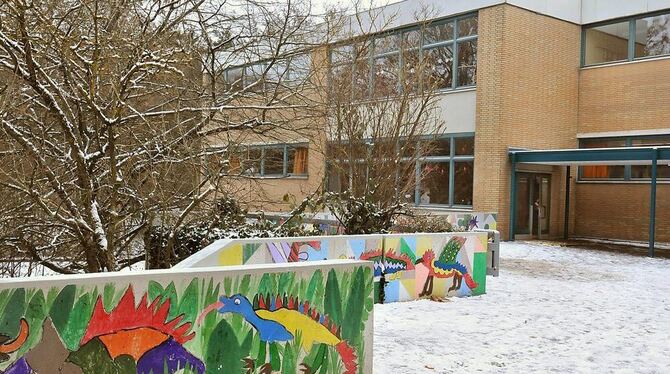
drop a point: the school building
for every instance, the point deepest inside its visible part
(557, 113)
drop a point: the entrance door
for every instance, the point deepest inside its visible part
(533, 199)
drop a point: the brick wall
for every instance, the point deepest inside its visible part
(624, 97)
(527, 96)
(621, 211)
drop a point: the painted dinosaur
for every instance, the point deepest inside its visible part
(143, 332)
(280, 319)
(446, 266)
(8, 345)
(389, 262)
(141, 336)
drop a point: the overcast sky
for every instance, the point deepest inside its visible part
(323, 4)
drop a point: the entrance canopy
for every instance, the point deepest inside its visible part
(591, 156)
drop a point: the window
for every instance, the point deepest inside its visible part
(445, 168)
(446, 52)
(644, 171)
(626, 40)
(447, 172)
(602, 171)
(276, 160)
(434, 183)
(652, 36)
(624, 172)
(606, 43)
(297, 160)
(291, 71)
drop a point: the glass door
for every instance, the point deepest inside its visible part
(533, 199)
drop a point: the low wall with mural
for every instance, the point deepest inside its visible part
(407, 266)
(285, 318)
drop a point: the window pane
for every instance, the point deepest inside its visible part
(411, 39)
(386, 76)
(274, 161)
(341, 54)
(463, 182)
(439, 33)
(408, 149)
(253, 74)
(362, 49)
(340, 83)
(644, 172)
(467, 63)
(465, 146)
(297, 160)
(361, 82)
(606, 43)
(652, 36)
(437, 147)
(252, 163)
(234, 79)
(406, 184)
(298, 69)
(602, 143)
(602, 171)
(438, 66)
(387, 43)
(467, 27)
(654, 141)
(434, 183)
(411, 71)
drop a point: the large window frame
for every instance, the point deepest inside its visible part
(400, 51)
(628, 141)
(632, 37)
(451, 159)
(244, 151)
(291, 71)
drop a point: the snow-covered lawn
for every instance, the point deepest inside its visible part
(552, 309)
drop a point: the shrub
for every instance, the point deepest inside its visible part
(423, 223)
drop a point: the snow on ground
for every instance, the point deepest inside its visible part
(552, 309)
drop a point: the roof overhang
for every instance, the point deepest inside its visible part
(593, 156)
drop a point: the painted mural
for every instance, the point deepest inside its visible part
(413, 266)
(309, 322)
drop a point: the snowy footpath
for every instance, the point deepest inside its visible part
(553, 309)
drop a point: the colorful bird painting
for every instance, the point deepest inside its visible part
(446, 266)
(281, 319)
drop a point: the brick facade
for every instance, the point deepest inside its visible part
(532, 93)
(527, 90)
(626, 97)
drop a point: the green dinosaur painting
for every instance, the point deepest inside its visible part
(283, 322)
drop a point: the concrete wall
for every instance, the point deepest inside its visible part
(395, 255)
(191, 321)
(601, 10)
(527, 90)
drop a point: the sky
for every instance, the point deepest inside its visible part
(320, 5)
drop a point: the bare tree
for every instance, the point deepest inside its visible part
(383, 118)
(107, 108)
